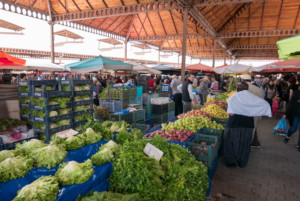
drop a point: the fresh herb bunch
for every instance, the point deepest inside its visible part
(23, 89)
(25, 100)
(101, 111)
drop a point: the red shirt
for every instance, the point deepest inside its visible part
(151, 82)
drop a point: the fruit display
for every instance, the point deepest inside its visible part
(209, 99)
(192, 124)
(195, 113)
(174, 135)
(221, 97)
(216, 111)
(230, 94)
(222, 104)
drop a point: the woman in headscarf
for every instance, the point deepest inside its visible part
(270, 92)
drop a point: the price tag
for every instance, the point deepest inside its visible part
(23, 83)
(67, 133)
(152, 151)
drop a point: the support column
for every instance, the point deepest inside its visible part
(224, 57)
(214, 54)
(158, 57)
(52, 42)
(125, 51)
(185, 16)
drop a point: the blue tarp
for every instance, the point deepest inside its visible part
(99, 181)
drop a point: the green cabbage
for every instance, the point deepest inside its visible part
(39, 125)
(43, 189)
(77, 88)
(6, 154)
(103, 156)
(38, 101)
(90, 136)
(74, 173)
(28, 146)
(25, 111)
(48, 156)
(74, 142)
(111, 145)
(64, 122)
(53, 114)
(64, 111)
(13, 168)
(78, 98)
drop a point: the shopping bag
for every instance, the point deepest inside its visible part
(280, 128)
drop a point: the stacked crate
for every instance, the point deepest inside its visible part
(24, 93)
(160, 113)
(171, 110)
(120, 93)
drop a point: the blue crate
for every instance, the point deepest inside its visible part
(79, 113)
(50, 107)
(112, 105)
(183, 144)
(139, 91)
(52, 119)
(83, 102)
(52, 94)
(82, 93)
(165, 88)
(49, 132)
(139, 116)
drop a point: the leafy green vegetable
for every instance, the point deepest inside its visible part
(64, 111)
(24, 100)
(102, 157)
(8, 122)
(53, 114)
(44, 188)
(23, 89)
(74, 173)
(74, 142)
(25, 111)
(39, 113)
(28, 146)
(82, 87)
(48, 88)
(39, 125)
(90, 136)
(102, 112)
(98, 128)
(13, 168)
(130, 136)
(109, 196)
(38, 101)
(64, 122)
(80, 98)
(111, 145)
(62, 101)
(6, 154)
(66, 88)
(84, 117)
(48, 156)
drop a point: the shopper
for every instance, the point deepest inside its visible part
(177, 95)
(275, 105)
(23, 77)
(270, 92)
(224, 85)
(187, 93)
(214, 88)
(292, 87)
(293, 115)
(203, 90)
(96, 88)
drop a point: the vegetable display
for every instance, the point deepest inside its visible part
(81, 98)
(6, 154)
(61, 101)
(28, 146)
(8, 122)
(24, 100)
(23, 89)
(15, 167)
(90, 136)
(98, 128)
(109, 196)
(105, 153)
(64, 111)
(66, 88)
(48, 156)
(38, 101)
(102, 112)
(74, 173)
(134, 134)
(25, 111)
(82, 87)
(45, 188)
(74, 142)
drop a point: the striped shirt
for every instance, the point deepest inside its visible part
(214, 88)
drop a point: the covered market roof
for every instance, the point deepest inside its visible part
(243, 29)
(111, 41)
(11, 26)
(68, 34)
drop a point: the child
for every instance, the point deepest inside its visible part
(275, 104)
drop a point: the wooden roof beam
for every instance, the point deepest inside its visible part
(242, 54)
(223, 2)
(130, 27)
(239, 47)
(117, 11)
(262, 33)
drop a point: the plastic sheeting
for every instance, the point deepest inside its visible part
(99, 181)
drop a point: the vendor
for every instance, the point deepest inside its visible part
(23, 77)
(187, 93)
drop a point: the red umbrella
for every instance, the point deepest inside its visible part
(9, 62)
(198, 67)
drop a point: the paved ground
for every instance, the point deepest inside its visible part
(272, 173)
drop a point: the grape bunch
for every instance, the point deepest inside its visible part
(216, 111)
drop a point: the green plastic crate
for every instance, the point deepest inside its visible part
(142, 127)
(148, 110)
(132, 92)
(171, 106)
(139, 115)
(118, 92)
(204, 153)
(160, 118)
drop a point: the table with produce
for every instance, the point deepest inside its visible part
(106, 160)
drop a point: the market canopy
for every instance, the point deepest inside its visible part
(198, 67)
(162, 67)
(98, 64)
(289, 48)
(43, 66)
(9, 62)
(139, 68)
(235, 68)
(294, 63)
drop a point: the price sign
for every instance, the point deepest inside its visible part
(152, 151)
(67, 133)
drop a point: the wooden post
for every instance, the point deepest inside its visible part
(52, 42)
(224, 57)
(214, 54)
(185, 16)
(158, 57)
(125, 51)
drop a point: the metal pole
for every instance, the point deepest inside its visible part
(224, 57)
(185, 16)
(125, 51)
(52, 42)
(214, 54)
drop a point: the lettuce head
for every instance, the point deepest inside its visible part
(74, 142)
(103, 156)
(74, 173)
(44, 188)
(90, 136)
(6, 154)
(111, 145)
(28, 146)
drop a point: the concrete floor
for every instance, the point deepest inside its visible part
(272, 173)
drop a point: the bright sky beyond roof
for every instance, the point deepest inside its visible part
(37, 37)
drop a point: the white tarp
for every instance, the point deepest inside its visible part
(248, 104)
(236, 68)
(42, 66)
(139, 68)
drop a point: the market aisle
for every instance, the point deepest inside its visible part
(272, 172)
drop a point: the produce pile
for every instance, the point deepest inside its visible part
(61, 101)
(109, 196)
(221, 97)
(192, 124)
(8, 123)
(230, 94)
(195, 113)
(222, 104)
(82, 87)
(174, 135)
(177, 176)
(216, 111)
